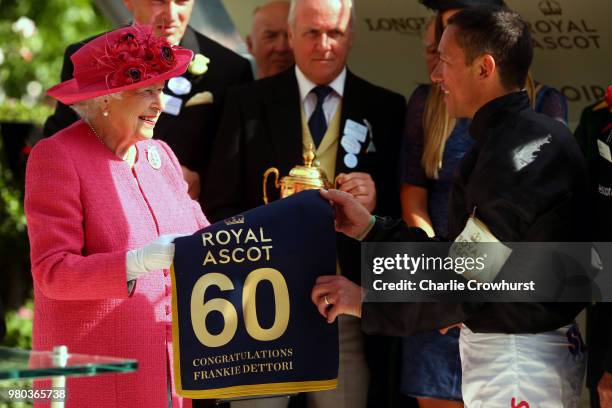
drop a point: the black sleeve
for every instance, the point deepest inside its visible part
(387, 171)
(221, 195)
(63, 116)
(388, 229)
(404, 319)
(583, 134)
(246, 73)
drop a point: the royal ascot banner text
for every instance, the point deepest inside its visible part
(243, 322)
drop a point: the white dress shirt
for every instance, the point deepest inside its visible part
(309, 100)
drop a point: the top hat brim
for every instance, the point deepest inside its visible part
(68, 92)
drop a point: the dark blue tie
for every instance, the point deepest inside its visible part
(317, 123)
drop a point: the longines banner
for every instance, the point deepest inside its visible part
(243, 321)
(572, 42)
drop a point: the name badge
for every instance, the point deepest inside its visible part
(350, 160)
(472, 242)
(153, 157)
(604, 150)
(179, 85)
(357, 130)
(172, 104)
(350, 144)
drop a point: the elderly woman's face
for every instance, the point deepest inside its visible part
(135, 114)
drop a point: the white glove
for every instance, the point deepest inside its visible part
(156, 255)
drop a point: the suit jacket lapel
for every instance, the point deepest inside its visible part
(190, 41)
(284, 110)
(352, 108)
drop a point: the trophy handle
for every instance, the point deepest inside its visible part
(273, 170)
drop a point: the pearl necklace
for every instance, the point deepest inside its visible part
(130, 156)
(97, 135)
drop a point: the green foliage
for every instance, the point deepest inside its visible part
(19, 334)
(19, 327)
(12, 218)
(13, 110)
(35, 34)
(32, 60)
(17, 384)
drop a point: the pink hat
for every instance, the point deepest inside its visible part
(126, 58)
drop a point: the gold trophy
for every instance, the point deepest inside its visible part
(300, 178)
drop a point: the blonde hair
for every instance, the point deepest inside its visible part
(437, 126)
(532, 88)
(437, 123)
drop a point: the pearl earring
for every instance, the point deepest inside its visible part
(105, 114)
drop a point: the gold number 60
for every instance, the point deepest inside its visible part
(200, 309)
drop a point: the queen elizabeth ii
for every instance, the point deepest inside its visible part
(103, 203)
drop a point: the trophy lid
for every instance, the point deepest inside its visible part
(308, 171)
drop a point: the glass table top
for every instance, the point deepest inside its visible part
(18, 364)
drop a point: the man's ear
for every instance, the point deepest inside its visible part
(290, 36)
(249, 42)
(351, 37)
(487, 66)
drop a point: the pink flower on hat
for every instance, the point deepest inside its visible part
(128, 73)
(126, 58)
(134, 57)
(167, 56)
(127, 43)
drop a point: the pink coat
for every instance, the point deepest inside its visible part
(85, 208)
